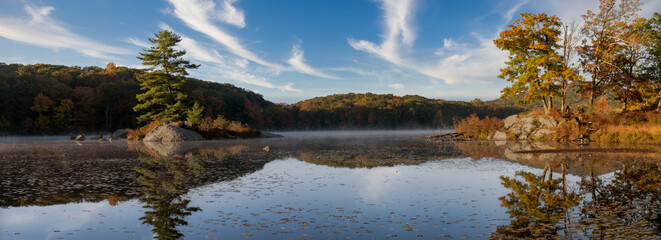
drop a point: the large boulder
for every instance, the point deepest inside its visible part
(169, 133)
(119, 134)
(509, 121)
(548, 121)
(80, 137)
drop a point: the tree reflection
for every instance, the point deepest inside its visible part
(626, 205)
(537, 205)
(163, 183)
(629, 205)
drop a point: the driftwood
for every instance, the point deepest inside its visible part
(448, 136)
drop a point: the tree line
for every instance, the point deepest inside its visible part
(611, 51)
(51, 99)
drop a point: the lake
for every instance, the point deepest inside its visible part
(327, 185)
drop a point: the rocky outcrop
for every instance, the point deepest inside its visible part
(170, 133)
(529, 127)
(119, 134)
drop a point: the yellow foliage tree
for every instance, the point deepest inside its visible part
(534, 65)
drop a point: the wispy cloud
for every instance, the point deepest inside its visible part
(398, 15)
(221, 69)
(509, 15)
(137, 42)
(297, 61)
(200, 14)
(41, 30)
(396, 86)
(457, 62)
(194, 49)
(232, 15)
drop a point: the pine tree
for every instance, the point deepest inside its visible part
(163, 82)
(194, 115)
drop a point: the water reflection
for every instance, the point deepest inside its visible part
(378, 185)
(538, 206)
(163, 184)
(628, 204)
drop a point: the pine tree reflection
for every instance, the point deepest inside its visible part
(163, 183)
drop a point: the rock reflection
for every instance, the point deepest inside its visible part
(169, 149)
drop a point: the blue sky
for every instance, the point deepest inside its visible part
(290, 50)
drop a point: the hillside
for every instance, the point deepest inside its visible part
(389, 111)
(50, 99)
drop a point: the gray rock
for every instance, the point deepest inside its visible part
(119, 134)
(96, 138)
(169, 149)
(522, 126)
(509, 121)
(548, 121)
(169, 133)
(499, 136)
(80, 137)
(527, 125)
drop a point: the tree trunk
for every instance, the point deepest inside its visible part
(562, 101)
(564, 181)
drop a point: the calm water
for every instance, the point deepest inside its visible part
(321, 185)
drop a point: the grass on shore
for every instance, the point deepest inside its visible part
(208, 128)
(608, 125)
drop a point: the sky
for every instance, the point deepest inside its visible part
(290, 50)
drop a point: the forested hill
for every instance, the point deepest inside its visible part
(49, 99)
(389, 111)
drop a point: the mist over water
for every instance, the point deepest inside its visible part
(323, 184)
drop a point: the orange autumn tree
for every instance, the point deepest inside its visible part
(534, 65)
(605, 32)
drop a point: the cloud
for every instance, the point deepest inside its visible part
(398, 15)
(509, 15)
(396, 85)
(468, 64)
(42, 30)
(137, 42)
(232, 15)
(298, 63)
(199, 15)
(194, 50)
(455, 62)
(220, 69)
(249, 78)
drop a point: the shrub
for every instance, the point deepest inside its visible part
(140, 133)
(476, 128)
(220, 127)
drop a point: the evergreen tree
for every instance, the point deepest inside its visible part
(163, 82)
(194, 115)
